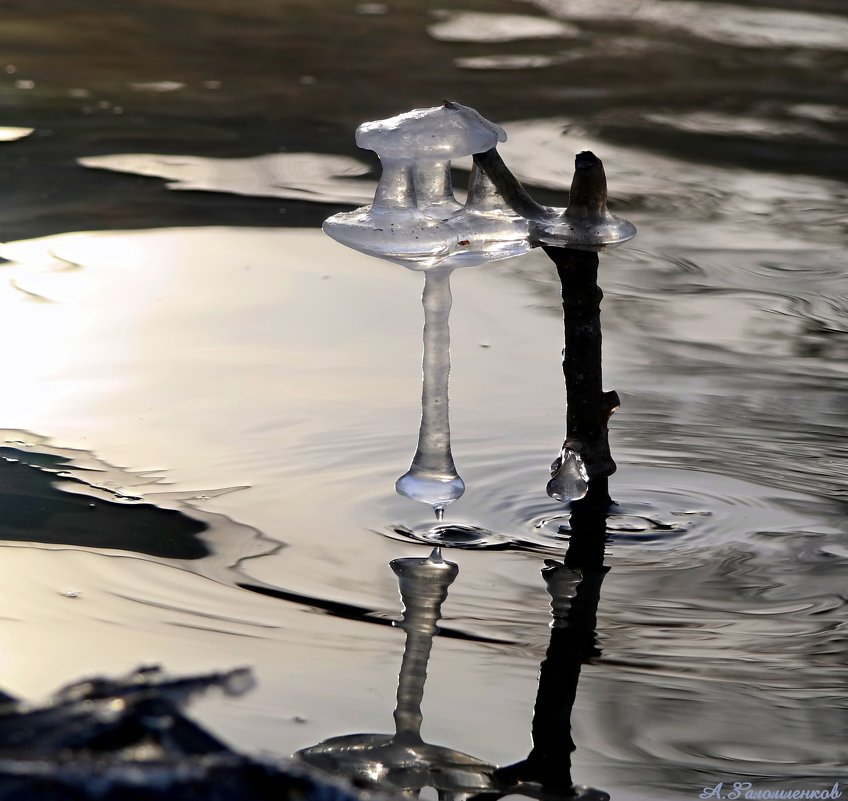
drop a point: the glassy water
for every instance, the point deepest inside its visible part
(207, 402)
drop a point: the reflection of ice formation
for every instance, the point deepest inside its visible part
(415, 220)
(403, 761)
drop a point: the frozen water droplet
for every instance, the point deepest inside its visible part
(569, 479)
(431, 487)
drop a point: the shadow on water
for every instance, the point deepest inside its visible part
(33, 508)
(68, 497)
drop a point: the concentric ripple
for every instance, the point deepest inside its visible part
(652, 508)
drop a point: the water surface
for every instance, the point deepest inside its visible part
(236, 394)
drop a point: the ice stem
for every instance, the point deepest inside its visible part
(432, 476)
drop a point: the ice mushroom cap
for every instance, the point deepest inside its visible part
(440, 133)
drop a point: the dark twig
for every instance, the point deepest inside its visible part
(588, 407)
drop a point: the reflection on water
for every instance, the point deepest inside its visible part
(299, 176)
(403, 761)
(220, 357)
(13, 134)
(465, 26)
(709, 574)
(34, 509)
(719, 22)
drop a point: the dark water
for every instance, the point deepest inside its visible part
(236, 394)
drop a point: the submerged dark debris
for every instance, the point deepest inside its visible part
(128, 738)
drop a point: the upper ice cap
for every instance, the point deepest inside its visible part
(440, 133)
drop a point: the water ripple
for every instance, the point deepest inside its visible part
(664, 509)
(721, 23)
(320, 178)
(470, 26)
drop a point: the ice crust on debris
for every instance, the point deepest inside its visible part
(415, 220)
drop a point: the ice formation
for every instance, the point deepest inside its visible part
(415, 220)
(432, 477)
(586, 224)
(439, 133)
(569, 479)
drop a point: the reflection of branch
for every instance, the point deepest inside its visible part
(575, 588)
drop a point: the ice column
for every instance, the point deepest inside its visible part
(432, 477)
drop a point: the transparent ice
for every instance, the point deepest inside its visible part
(569, 479)
(587, 223)
(415, 220)
(432, 477)
(581, 227)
